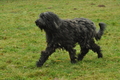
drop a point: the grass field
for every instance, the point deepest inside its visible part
(21, 41)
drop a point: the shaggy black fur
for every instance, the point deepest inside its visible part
(66, 33)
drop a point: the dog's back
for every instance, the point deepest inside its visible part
(83, 25)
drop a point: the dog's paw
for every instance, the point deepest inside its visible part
(73, 61)
(80, 58)
(100, 56)
(38, 64)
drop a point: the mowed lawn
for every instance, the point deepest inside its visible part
(21, 41)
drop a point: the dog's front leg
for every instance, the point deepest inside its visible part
(72, 53)
(44, 56)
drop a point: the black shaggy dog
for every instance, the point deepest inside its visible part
(66, 33)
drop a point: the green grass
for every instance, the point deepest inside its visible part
(21, 41)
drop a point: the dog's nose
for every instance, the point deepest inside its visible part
(36, 21)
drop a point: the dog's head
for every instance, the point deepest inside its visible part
(48, 21)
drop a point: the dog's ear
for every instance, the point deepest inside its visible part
(56, 25)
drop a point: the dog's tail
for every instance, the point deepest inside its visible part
(101, 31)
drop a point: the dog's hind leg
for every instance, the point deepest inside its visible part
(72, 54)
(84, 51)
(96, 48)
(44, 56)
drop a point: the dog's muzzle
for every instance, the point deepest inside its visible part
(37, 22)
